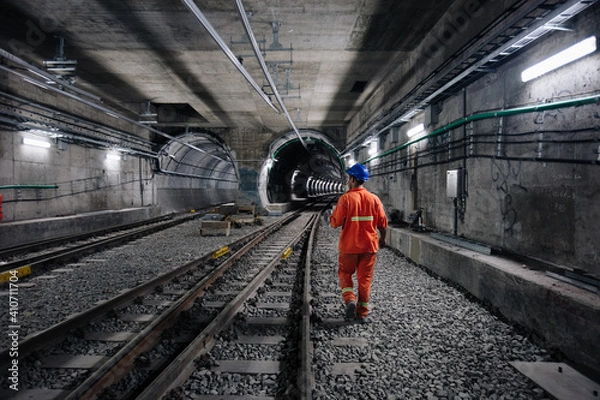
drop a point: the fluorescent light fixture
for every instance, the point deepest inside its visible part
(113, 156)
(564, 57)
(373, 147)
(36, 143)
(414, 130)
(61, 69)
(408, 116)
(51, 63)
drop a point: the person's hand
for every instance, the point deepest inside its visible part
(327, 214)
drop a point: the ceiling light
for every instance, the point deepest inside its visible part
(36, 143)
(373, 147)
(59, 63)
(113, 156)
(417, 129)
(61, 69)
(566, 56)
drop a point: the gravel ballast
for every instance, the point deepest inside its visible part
(48, 299)
(427, 340)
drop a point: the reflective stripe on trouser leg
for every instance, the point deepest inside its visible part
(364, 274)
(348, 295)
(347, 264)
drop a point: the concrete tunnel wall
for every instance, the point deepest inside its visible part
(42, 183)
(523, 203)
(75, 183)
(560, 316)
(539, 199)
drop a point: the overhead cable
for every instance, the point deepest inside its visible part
(215, 35)
(93, 104)
(263, 65)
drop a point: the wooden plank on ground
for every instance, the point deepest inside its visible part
(109, 336)
(255, 339)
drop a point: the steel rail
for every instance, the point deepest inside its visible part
(77, 251)
(305, 381)
(121, 363)
(41, 339)
(42, 244)
(183, 366)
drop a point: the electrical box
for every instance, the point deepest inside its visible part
(394, 131)
(431, 115)
(454, 183)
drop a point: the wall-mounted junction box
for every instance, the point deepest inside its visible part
(454, 183)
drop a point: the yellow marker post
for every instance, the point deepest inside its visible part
(14, 274)
(221, 252)
(286, 253)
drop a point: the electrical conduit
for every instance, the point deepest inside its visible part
(494, 114)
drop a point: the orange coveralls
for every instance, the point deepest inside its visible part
(359, 213)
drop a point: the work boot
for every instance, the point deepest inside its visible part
(364, 320)
(350, 310)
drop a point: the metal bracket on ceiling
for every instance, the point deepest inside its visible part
(147, 116)
(60, 66)
(265, 69)
(275, 25)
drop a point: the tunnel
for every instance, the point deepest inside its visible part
(195, 169)
(108, 117)
(296, 171)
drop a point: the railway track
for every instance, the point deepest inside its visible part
(287, 339)
(31, 259)
(147, 341)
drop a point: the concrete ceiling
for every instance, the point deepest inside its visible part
(131, 52)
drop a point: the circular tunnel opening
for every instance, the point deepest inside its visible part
(295, 172)
(195, 170)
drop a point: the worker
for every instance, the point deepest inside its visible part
(360, 214)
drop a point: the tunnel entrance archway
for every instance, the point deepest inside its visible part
(195, 170)
(293, 173)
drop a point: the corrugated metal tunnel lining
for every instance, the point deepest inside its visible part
(292, 172)
(198, 175)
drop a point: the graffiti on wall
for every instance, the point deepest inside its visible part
(507, 174)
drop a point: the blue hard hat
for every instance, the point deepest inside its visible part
(358, 171)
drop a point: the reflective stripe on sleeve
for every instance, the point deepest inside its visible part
(362, 218)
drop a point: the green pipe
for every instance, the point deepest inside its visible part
(29, 187)
(494, 114)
